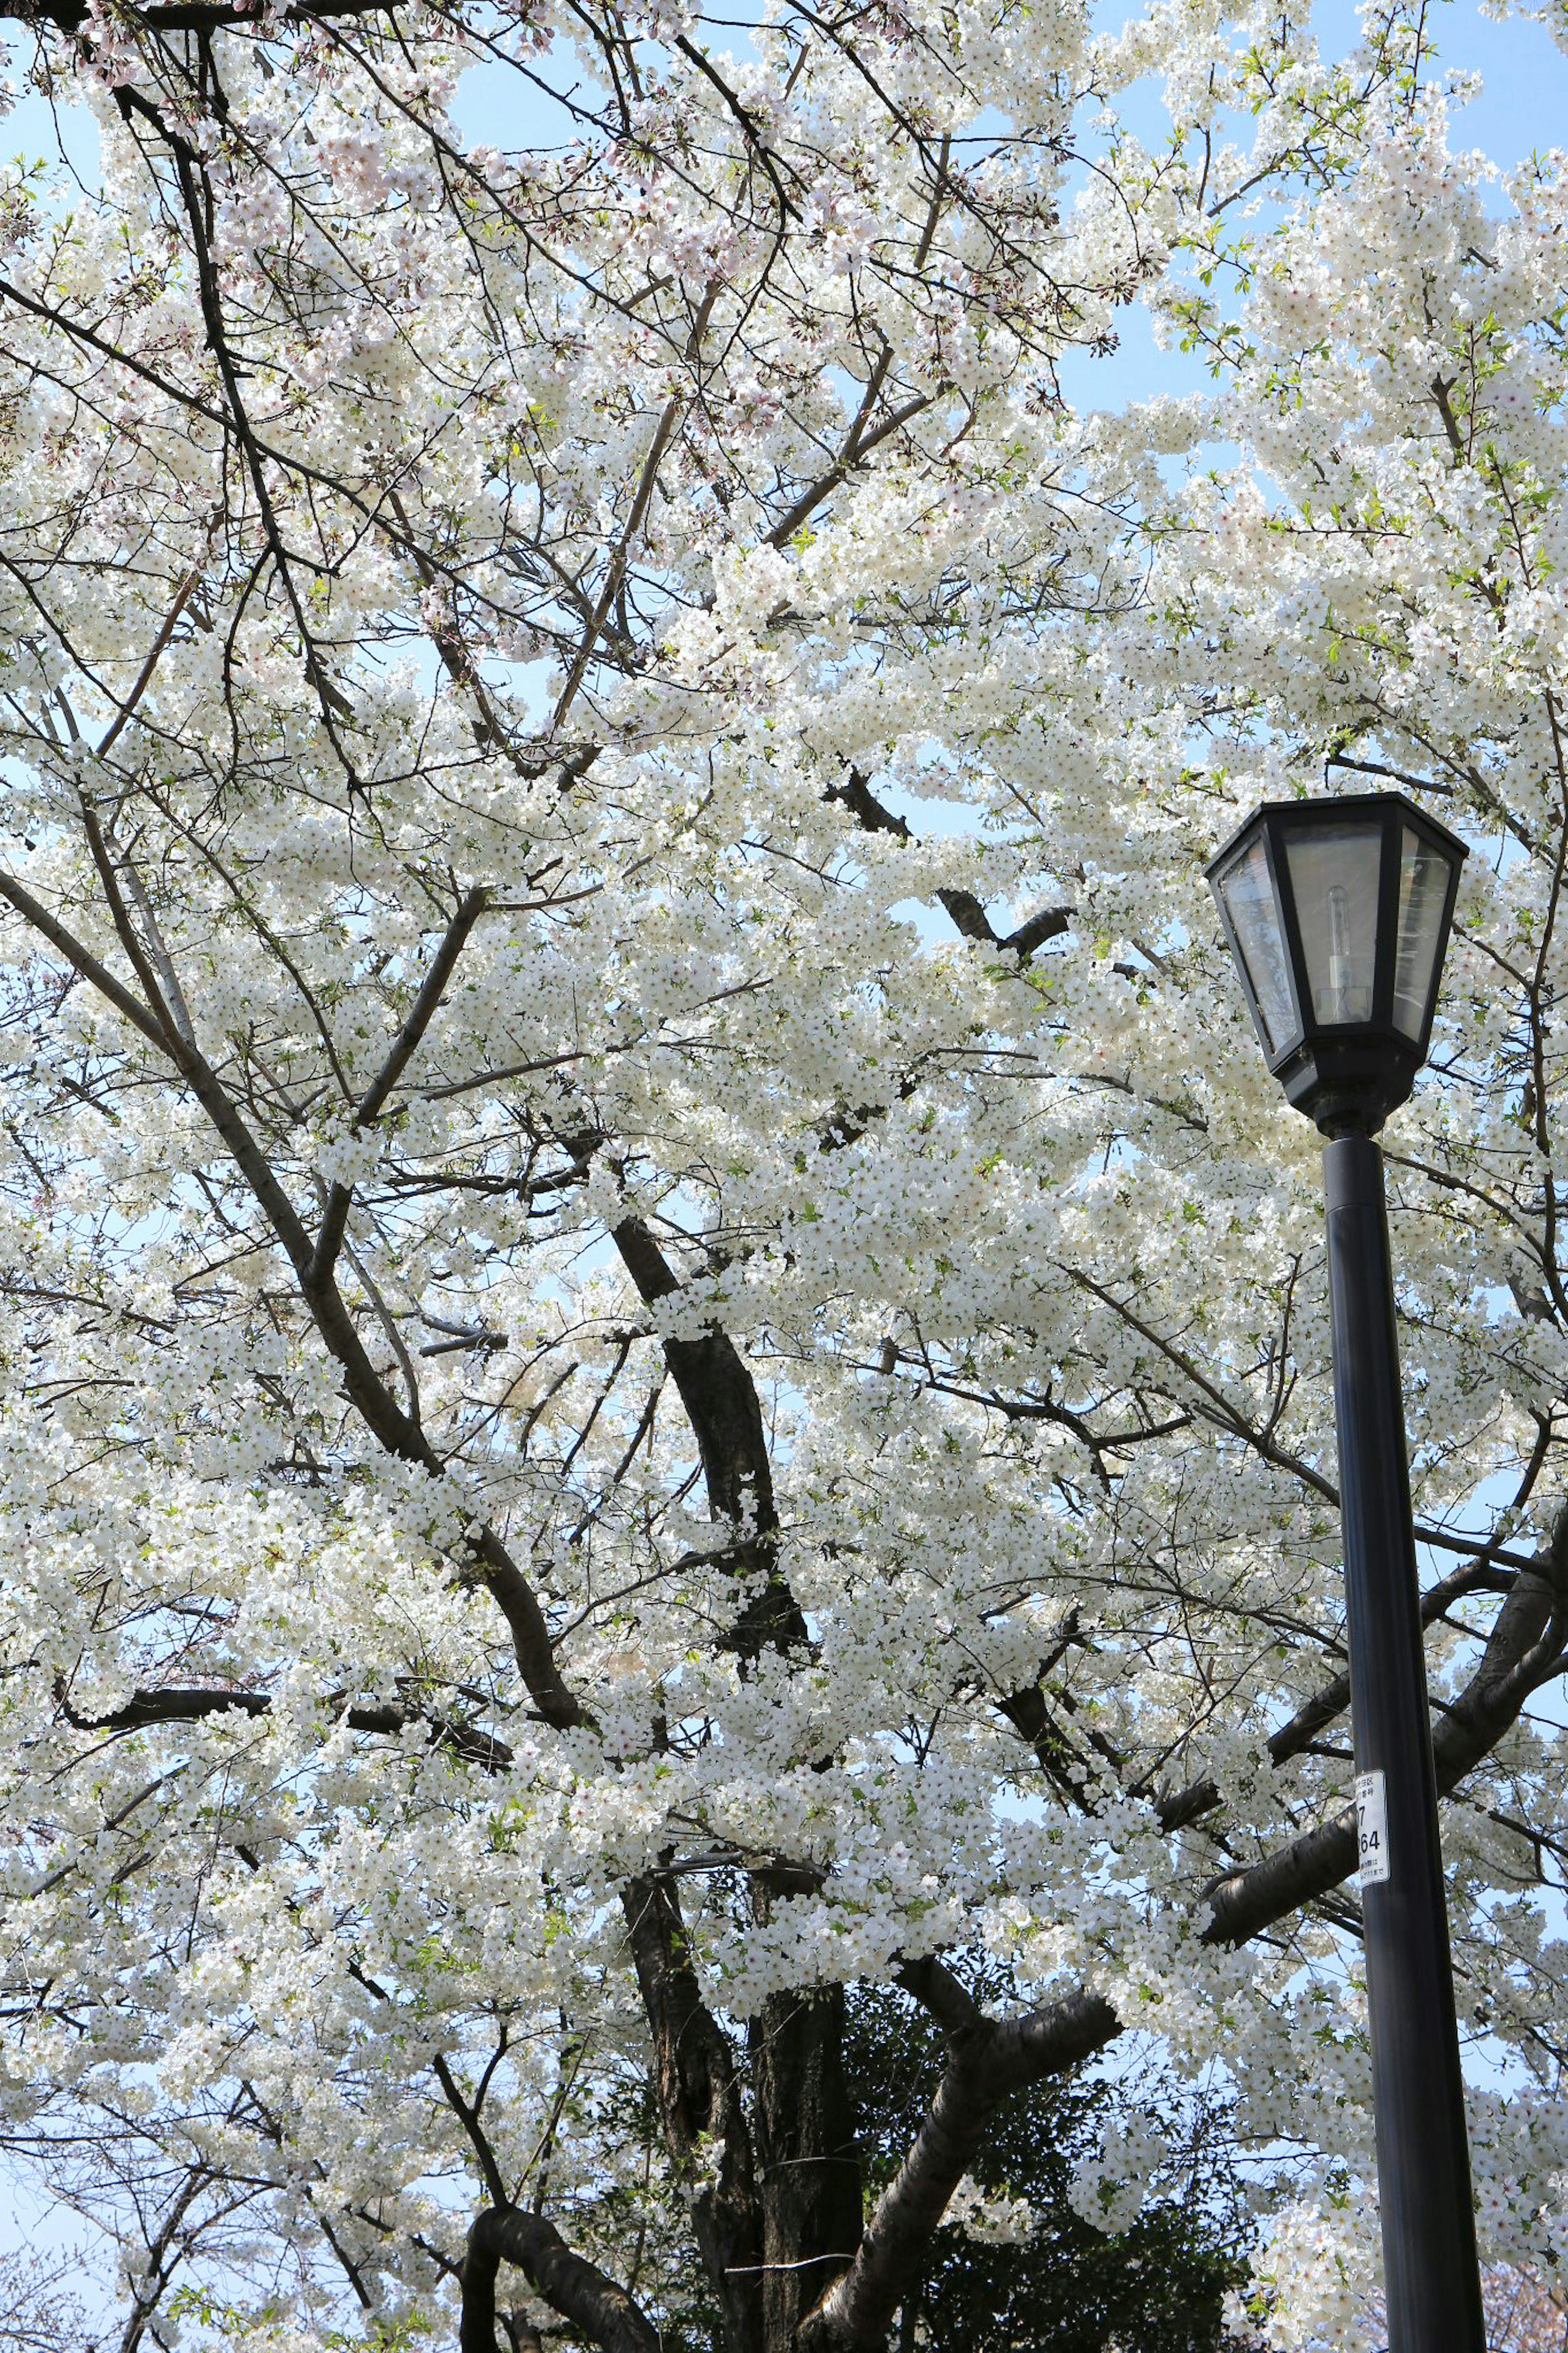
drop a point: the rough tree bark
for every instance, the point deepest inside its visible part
(785, 2215)
(605, 2315)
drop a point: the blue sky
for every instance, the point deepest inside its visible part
(1523, 108)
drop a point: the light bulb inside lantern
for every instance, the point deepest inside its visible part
(1347, 997)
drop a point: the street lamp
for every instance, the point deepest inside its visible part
(1337, 913)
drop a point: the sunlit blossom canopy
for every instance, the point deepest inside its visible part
(667, 1411)
(1337, 913)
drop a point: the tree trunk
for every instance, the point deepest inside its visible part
(808, 2164)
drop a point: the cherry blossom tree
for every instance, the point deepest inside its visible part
(1524, 2316)
(1523, 2313)
(38, 2314)
(666, 1351)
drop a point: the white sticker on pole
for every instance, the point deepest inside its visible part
(1371, 1827)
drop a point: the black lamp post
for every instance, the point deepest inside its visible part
(1337, 913)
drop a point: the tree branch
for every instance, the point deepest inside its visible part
(1177, 1807)
(146, 1708)
(370, 1395)
(576, 2288)
(82, 960)
(145, 675)
(726, 1417)
(471, 907)
(1524, 1650)
(421, 1012)
(987, 2063)
(967, 914)
(989, 2060)
(700, 2101)
(182, 15)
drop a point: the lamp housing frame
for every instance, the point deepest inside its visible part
(1344, 1076)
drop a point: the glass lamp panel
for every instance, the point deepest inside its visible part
(1333, 878)
(1423, 896)
(1246, 894)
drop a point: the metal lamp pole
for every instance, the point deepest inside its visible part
(1337, 913)
(1431, 2279)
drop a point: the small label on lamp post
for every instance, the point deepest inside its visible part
(1371, 1827)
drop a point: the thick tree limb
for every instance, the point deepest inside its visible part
(1524, 1650)
(194, 1706)
(726, 1417)
(987, 2063)
(575, 2288)
(1070, 1772)
(940, 1994)
(700, 2101)
(807, 2158)
(786, 2209)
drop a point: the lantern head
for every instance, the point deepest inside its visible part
(1337, 913)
